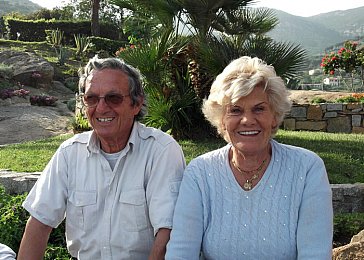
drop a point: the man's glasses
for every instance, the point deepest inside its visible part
(112, 100)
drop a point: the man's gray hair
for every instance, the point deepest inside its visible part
(136, 90)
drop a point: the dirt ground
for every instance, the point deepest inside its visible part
(20, 123)
(305, 96)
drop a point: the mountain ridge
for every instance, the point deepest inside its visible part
(317, 33)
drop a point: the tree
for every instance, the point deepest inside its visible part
(94, 10)
(348, 59)
(218, 32)
(95, 23)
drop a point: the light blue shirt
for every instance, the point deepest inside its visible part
(287, 215)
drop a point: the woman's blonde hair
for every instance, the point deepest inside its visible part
(238, 80)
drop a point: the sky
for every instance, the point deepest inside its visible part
(296, 7)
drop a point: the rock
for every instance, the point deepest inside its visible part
(358, 237)
(28, 68)
(352, 251)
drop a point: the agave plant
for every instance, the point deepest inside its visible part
(82, 43)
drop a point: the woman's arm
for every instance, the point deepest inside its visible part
(315, 220)
(187, 231)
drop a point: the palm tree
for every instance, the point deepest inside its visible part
(218, 32)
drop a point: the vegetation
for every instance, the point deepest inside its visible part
(80, 123)
(191, 43)
(13, 218)
(349, 59)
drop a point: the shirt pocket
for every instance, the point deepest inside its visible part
(133, 210)
(81, 210)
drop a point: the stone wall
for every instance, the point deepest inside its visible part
(326, 117)
(346, 198)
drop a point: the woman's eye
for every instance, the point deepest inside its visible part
(234, 111)
(259, 109)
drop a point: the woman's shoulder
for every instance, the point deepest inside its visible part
(292, 150)
(296, 157)
(214, 155)
(210, 159)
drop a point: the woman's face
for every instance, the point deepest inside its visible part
(249, 122)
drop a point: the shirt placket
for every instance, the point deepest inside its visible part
(109, 182)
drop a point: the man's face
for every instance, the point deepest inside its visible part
(112, 121)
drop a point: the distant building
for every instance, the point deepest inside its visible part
(314, 72)
(334, 82)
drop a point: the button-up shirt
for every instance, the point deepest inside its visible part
(110, 214)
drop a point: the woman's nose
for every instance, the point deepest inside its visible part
(247, 118)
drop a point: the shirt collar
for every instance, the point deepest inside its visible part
(93, 144)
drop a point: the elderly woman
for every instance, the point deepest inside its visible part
(253, 198)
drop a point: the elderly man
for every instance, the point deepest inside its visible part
(116, 185)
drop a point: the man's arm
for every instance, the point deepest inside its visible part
(34, 241)
(159, 247)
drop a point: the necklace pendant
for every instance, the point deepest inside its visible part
(247, 185)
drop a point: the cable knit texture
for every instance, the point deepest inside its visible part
(287, 215)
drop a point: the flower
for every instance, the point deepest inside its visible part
(36, 75)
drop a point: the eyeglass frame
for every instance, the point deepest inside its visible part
(82, 95)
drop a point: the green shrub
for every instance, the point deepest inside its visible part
(71, 104)
(71, 83)
(104, 44)
(6, 72)
(13, 218)
(80, 124)
(318, 100)
(347, 99)
(12, 224)
(346, 225)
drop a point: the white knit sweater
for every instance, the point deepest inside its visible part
(288, 215)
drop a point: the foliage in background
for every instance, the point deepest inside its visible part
(346, 226)
(217, 32)
(354, 98)
(82, 44)
(54, 37)
(8, 93)
(6, 71)
(43, 100)
(13, 218)
(79, 123)
(349, 59)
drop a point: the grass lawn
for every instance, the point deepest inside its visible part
(343, 154)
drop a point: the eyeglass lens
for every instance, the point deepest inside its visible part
(110, 99)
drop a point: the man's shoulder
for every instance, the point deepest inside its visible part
(155, 135)
(81, 138)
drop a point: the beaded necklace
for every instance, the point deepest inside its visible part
(248, 185)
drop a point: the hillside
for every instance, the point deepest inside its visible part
(349, 23)
(20, 6)
(310, 35)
